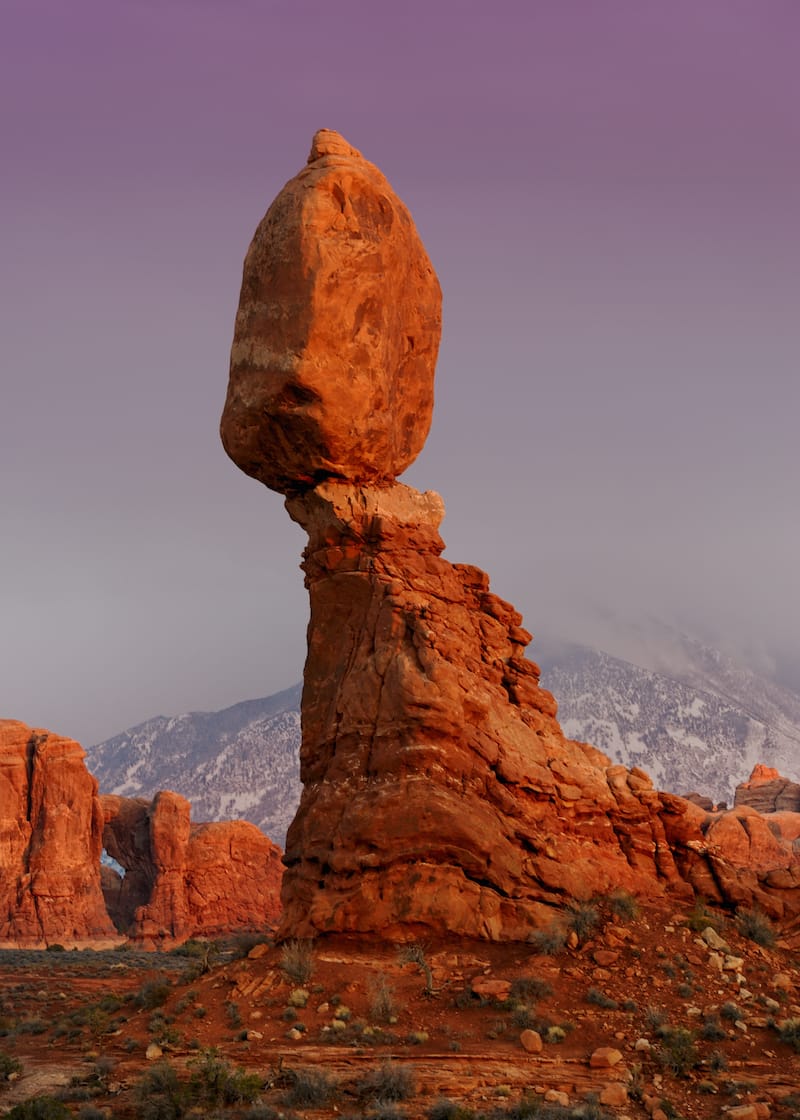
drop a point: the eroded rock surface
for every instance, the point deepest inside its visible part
(186, 880)
(337, 330)
(51, 836)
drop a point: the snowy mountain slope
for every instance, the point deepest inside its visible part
(702, 728)
(240, 762)
(699, 722)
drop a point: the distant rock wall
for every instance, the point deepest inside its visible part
(186, 880)
(183, 880)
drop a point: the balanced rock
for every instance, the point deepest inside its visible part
(183, 879)
(337, 331)
(439, 792)
(51, 837)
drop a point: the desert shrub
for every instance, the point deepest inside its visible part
(39, 1108)
(232, 1012)
(654, 1018)
(789, 1032)
(415, 954)
(8, 1065)
(685, 991)
(699, 917)
(600, 999)
(583, 918)
(448, 1110)
(677, 1051)
(214, 1081)
(387, 1082)
(530, 988)
(383, 1110)
(151, 995)
(712, 1030)
(310, 1088)
(756, 926)
(89, 1112)
(717, 1061)
(622, 905)
(731, 1012)
(160, 1095)
(382, 1003)
(297, 960)
(550, 941)
(630, 1005)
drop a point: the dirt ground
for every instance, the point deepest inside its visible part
(342, 1027)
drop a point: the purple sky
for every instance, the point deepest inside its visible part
(609, 192)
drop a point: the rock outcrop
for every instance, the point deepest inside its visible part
(439, 793)
(51, 836)
(768, 791)
(182, 879)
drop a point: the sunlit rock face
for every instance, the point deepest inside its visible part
(51, 836)
(337, 331)
(439, 792)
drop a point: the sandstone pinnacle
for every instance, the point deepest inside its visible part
(336, 333)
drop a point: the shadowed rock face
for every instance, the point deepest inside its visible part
(337, 331)
(439, 793)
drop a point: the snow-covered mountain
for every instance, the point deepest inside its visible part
(699, 722)
(690, 717)
(240, 762)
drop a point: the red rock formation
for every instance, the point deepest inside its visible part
(439, 791)
(768, 791)
(50, 842)
(349, 392)
(186, 880)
